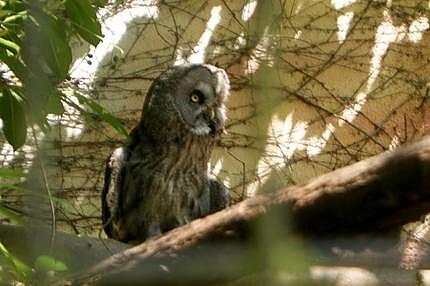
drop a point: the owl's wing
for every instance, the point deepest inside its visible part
(111, 189)
(218, 195)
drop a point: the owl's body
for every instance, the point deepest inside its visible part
(160, 179)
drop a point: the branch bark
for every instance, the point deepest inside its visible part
(374, 195)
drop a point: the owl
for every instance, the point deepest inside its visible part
(159, 180)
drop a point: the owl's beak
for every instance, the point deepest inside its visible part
(211, 113)
(212, 121)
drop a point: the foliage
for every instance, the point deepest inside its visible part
(12, 269)
(35, 57)
(5, 212)
(35, 51)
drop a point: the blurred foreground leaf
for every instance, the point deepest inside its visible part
(7, 172)
(47, 263)
(13, 216)
(16, 268)
(101, 112)
(35, 51)
(13, 116)
(84, 19)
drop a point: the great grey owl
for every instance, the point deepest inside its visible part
(159, 180)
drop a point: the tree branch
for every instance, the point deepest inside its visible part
(374, 195)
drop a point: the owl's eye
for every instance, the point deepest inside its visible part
(196, 97)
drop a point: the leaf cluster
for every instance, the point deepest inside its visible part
(13, 269)
(36, 57)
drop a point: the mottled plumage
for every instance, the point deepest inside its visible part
(160, 179)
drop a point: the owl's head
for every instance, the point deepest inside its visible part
(195, 94)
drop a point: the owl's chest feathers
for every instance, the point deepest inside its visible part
(175, 182)
(176, 156)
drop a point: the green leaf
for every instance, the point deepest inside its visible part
(11, 173)
(14, 122)
(100, 3)
(88, 116)
(48, 263)
(103, 113)
(84, 19)
(11, 187)
(47, 36)
(13, 63)
(14, 18)
(9, 45)
(38, 92)
(54, 105)
(21, 268)
(13, 216)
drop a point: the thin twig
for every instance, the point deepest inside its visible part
(48, 191)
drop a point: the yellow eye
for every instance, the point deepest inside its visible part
(195, 98)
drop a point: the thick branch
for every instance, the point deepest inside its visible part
(376, 194)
